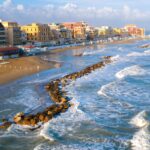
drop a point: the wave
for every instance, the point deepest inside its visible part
(130, 71)
(141, 139)
(64, 124)
(46, 79)
(115, 58)
(103, 89)
(19, 131)
(140, 120)
(92, 52)
(135, 54)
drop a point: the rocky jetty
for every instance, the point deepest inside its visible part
(58, 95)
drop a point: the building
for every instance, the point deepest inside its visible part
(37, 32)
(78, 30)
(9, 52)
(66, 34)
(105, 32)
(23, 37)
(13, 33)
(91, 33)
(2, 35)
(61, 33)
(133, 30)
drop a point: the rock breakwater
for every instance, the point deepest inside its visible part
(58, 95)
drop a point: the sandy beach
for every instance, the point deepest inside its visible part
(24, 66)
(13, 69)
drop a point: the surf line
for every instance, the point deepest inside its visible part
(58, 95)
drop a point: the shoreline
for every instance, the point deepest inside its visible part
(58, 95)
(21, 67)
(14, 69)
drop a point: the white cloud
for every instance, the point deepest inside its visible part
(72, 12)
(20, 7)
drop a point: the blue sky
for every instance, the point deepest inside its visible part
(95, 12)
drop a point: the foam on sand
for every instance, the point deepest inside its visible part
(130, 71)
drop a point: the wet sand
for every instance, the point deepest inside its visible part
(21, 67)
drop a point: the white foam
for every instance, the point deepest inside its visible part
(115, 58)
(45, 132)
(120, 49)
(19, 131)
(136, 54)
(141, 140)
(147, 52)
(130, 71)
(92, 52)
(64, 123)
(103, 89)
(140, 120)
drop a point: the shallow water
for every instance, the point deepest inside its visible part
(111, 105)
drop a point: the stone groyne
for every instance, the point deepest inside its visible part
(58, 95)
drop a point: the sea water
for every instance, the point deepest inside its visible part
(111, 108)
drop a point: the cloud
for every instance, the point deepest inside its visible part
(73, 12)
(20, 7)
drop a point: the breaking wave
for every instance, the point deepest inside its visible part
(141, 139)
(66, 123)
(103, 89)
(130, 71)
(145, 53)
(92, 52)
(115, 58)
(140, 120)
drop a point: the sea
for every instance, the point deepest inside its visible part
(111, 108)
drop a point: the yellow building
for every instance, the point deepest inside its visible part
(105, 31)
(38, 32)
(13, 33)
(117, 31)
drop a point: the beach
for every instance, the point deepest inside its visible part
(15, 69)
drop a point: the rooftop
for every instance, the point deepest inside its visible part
(3, 49)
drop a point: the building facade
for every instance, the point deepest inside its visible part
(78, 30)
(133, 30)
(37, 32)
(105, 32)
(2, 35)
(13, 33)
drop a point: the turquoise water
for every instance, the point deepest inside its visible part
(111, 105)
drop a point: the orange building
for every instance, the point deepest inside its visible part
(133, 30)
(78, 29)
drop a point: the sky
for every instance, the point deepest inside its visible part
(114, 13)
